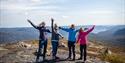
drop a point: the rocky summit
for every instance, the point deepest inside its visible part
(25, 52)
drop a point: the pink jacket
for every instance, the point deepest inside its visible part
(82, 37)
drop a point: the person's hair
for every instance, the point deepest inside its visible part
(55, 27)
(72, 26)
(42, 23)
(80, 30)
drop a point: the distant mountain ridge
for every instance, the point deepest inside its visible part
(120, 32)
(17, 34)
(114, 34)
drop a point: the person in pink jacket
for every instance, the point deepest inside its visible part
(82, 40)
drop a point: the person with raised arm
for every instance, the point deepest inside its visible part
(82, 40)
(42, 39)
(55, 39)
(71, 40)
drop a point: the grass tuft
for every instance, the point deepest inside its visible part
(113, 58)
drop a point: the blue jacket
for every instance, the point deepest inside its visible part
(72, 33)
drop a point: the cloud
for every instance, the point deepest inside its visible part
(16, 6)
(101, 12)
(64, 11)
(35, 0)
(29, 7)
(64, 16)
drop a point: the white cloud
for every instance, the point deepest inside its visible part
(64, 16)
(11, 6)
(64, 11)
(35, 0)
(101, 12)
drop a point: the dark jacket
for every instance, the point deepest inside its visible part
(43, 31)
(55, 35)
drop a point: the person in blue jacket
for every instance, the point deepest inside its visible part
(55, 39)
(42, 39)
(71, 40)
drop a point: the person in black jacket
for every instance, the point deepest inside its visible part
(42, 39)
(55, 39)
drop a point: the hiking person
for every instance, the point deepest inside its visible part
(42, 39)
(55, 39)
(71, 40)
(82, 40)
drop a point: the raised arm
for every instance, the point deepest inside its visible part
(60, 35)
(77, 30)
(52, 21)
(65, 29)
(90, 29)
(32, 24)
(47, 30)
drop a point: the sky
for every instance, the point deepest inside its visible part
(14, 13)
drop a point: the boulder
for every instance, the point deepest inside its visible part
(49, 52)
(23, 44)
(1, 48)
(62, 45)
(107, 51)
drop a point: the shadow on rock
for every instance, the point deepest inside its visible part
(52, 61)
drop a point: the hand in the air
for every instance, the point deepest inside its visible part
(59, 27)
(62, 37)
(28, 20)
(52, 19)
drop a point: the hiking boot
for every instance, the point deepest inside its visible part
(69, 58)
(57, 57)
(84, 62)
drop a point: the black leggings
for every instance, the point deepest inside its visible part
(71, 46)
(83, 47)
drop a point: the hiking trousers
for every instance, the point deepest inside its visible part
(71, 47)
(42, 43)
(54, 47)
(83, 48)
